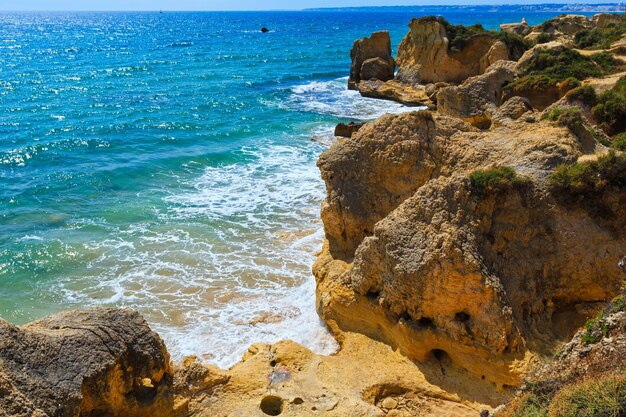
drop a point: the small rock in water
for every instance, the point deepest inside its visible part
(264, 30)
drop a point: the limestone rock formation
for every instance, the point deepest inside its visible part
(365, 378)
(424, 55)
(104, 362)
(371, 59)
(410, 95)
(477, 99)
(603, 20)
(407, 233)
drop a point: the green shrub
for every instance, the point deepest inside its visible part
(495, 179)
(585, 93)
(516, 44)
(596, 327)
(607, 171)
(600, 38)
(544, 38)
(547, 68)
(610, 111)
(528, 405)
(565, 116)
(619, 142)
(603, 397)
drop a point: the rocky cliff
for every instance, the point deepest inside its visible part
(426, 54)
(408, 232)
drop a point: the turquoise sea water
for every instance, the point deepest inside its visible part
(166, 162)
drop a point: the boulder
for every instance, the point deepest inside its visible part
(512, 109)
(376, 69)
(477, 99)
(102, 361)
(424, 56)
(376, 46)
(347, 130)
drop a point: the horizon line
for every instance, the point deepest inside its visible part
(591, 5)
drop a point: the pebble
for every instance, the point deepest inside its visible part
(389, 403)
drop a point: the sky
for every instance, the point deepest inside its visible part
(241, 4)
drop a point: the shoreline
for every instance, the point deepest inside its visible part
(476, 202)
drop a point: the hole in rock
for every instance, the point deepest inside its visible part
(426, 322)
(272, 405)
(373, 295)
(462, 317)
(297, 401)
(406, 316)
(273, 364)
(440, 355)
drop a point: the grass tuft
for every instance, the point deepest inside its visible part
(496, 179)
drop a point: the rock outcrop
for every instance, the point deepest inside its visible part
(424, 55)
(603, 20)
(521, 29)
(478, 98)
(407, 233)
(371, 59)
(346, 130)
(409, 95)
(561, 28)
(104, 362)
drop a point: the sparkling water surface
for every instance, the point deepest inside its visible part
(166, 162)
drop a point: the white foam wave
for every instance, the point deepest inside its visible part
(333, 98)
(228, 264)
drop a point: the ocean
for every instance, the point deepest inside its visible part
(166, 162)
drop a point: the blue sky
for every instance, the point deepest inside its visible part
(235, 4)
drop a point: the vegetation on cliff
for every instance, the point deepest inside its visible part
(610, 111)
(496, 178)
(568, 388)
(549, 67)
(458, 35)
(601, 37)
(582, 178)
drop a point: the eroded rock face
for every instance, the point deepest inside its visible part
(424, 57)
(104, 362)
(478, 98)
(407, 234)
(371, 59)
(371, 175)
